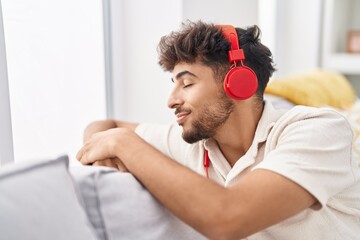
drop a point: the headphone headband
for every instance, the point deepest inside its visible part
(236, 53)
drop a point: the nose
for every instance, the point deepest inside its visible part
(175, 99)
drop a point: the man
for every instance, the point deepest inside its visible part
(273, 174)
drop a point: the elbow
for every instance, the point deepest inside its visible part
(225, 227)
(224, 219)
(221, 233)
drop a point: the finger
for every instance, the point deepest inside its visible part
(120, 165)
(79, 154)
(85, 158)
(106, 163)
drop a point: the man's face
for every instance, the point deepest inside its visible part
(200, 103)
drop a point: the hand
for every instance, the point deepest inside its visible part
(101, 146)
(114, 163)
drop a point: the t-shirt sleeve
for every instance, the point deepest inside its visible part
(314, 151)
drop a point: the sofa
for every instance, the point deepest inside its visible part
(47, 199)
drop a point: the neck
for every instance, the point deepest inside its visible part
(235, 137)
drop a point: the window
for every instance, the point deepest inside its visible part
(55, 62)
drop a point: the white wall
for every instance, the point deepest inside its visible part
(298, 35)
(141, 87)
(6, 143)
(56, 73)
(241, 13)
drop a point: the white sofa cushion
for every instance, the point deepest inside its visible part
(121, 208)
(38, 201)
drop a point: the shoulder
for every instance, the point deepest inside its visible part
(308, 127)
(323, 118)
(311, 112)
(312, 147)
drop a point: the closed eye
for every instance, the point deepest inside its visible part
(188, 85)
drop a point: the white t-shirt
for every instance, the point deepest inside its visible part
(310, 146)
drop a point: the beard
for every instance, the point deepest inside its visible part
(211, 118)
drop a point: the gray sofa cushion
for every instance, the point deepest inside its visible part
(119, 207)
(38, 201)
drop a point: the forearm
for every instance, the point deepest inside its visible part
(195, 199)
(103, 125)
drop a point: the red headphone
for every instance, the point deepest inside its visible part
(240, 82)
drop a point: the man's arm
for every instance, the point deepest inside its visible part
(261, 199)
(103, 125)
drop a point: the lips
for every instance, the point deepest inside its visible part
(181, 116)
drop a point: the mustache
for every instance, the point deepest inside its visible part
(181, 109)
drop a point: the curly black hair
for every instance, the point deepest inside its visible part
(199, 41)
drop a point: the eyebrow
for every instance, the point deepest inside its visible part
(180, 74)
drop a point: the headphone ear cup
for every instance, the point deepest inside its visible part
(240, 83)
